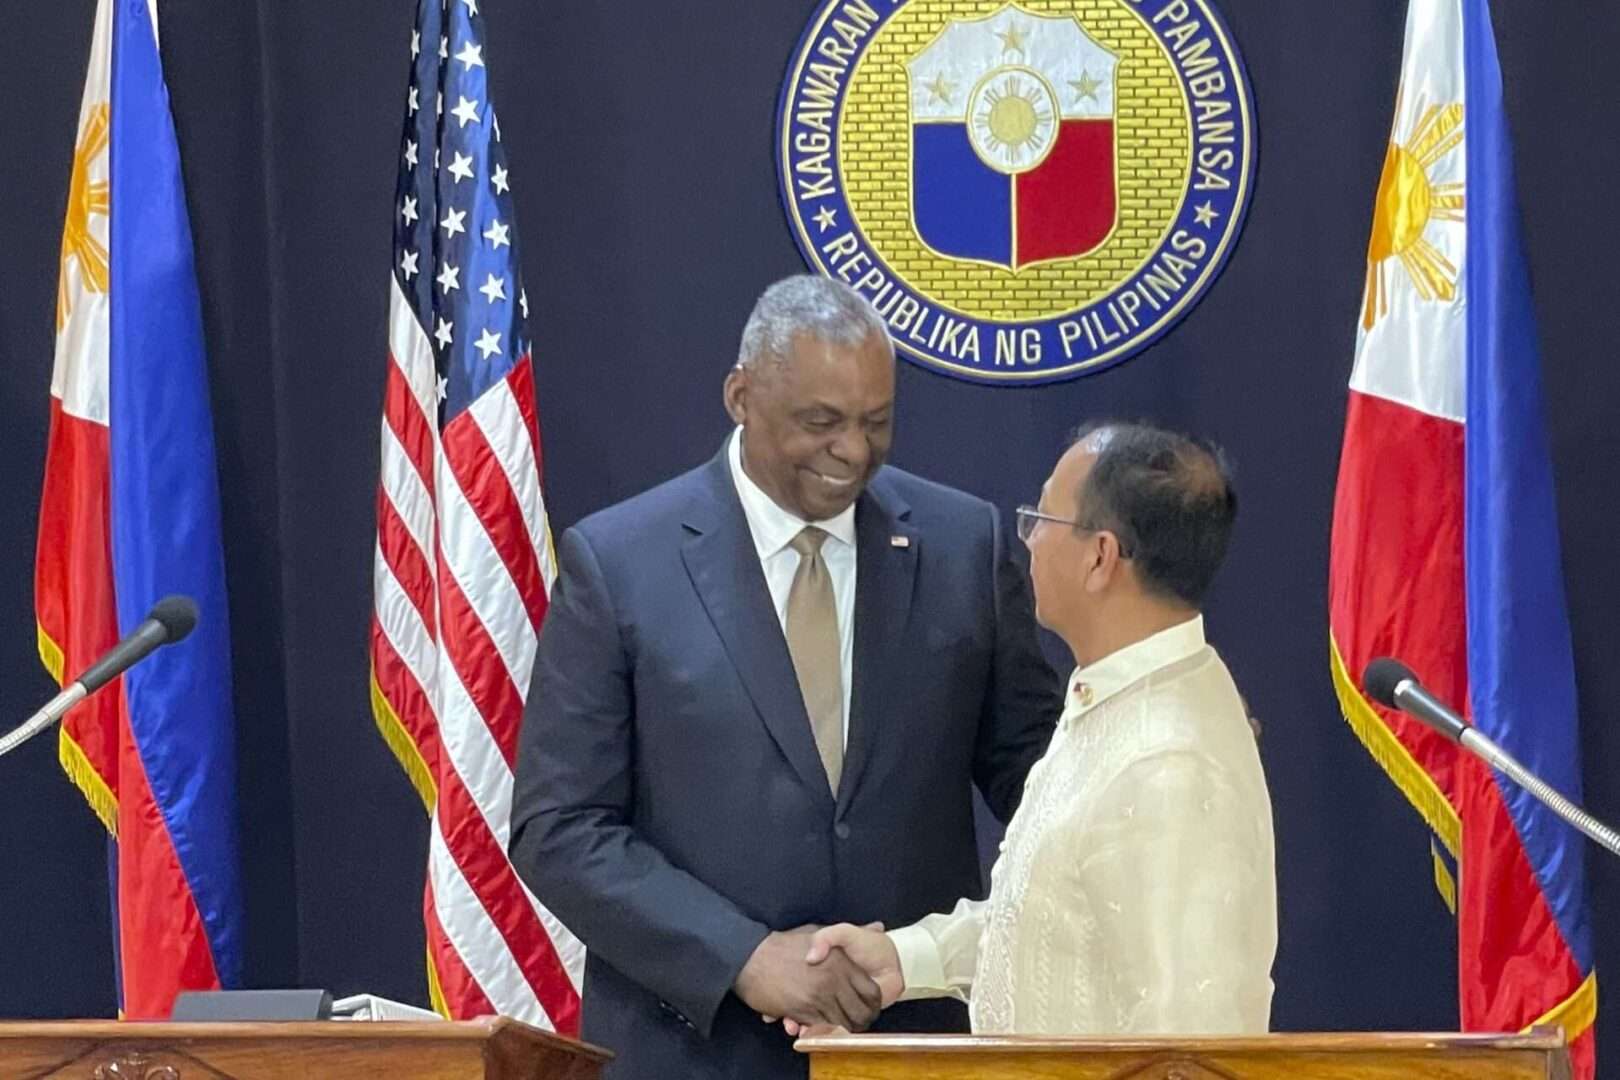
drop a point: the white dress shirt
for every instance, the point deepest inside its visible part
(773, 528)
(1136, 889)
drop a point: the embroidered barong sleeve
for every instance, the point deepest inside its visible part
(939, 952)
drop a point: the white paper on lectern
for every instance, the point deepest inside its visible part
(372, 1007)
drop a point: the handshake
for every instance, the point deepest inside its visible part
(820, 978)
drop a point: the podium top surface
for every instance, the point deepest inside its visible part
(462, 1031)
(1540, 1055)
(1542, 1039)
(495, 1048)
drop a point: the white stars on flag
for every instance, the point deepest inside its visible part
(449, 278)
(488, 343)
(454, 240)
(466, 111)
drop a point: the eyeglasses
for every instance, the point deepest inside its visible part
(1029, 517)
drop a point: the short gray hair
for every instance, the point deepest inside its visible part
(820, 307)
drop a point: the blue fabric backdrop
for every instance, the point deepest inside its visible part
(640, 139)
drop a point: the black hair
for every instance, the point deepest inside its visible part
(1168, 498)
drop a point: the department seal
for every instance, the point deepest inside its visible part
(1025, 191)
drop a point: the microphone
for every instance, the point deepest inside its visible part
(1393, 685)
(170, 620)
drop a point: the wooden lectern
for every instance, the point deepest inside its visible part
(1540, 1055)
(497, 1048)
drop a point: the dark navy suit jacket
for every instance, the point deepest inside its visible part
(670, 805)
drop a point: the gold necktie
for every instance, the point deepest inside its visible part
(812, 637)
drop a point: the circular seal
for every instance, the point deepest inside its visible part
(1025, 191)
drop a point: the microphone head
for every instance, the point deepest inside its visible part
(176, 614)
(1381, 678)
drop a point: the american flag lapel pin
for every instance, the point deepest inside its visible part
(900, 541)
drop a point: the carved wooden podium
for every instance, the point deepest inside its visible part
(498, 1048)
(1538, 1055)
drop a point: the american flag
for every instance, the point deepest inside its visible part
(464, 560)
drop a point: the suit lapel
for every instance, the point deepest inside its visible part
(724, 567)
(886, 548)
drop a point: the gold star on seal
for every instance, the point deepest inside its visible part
(826, 217)
(1206, 214)
(940, 89)
(1012, 38)
(1085, 86)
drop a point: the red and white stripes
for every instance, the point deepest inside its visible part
(463, 569)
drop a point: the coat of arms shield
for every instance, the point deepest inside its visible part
(1012, 129)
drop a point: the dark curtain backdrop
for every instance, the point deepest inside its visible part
(641, 147)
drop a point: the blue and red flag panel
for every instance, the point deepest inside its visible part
(1445, 547)
(130, 513)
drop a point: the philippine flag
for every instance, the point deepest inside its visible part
(129, 513)
(1445, 549)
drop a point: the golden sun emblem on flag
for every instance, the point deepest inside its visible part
(85, 198)
(1408, 200)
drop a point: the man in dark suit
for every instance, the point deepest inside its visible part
(763, 694)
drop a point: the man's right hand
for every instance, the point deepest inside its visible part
(870, 949)
(778, 980)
